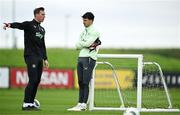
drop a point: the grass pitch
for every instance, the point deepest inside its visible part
(56, 102)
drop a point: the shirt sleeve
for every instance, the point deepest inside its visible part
(78, 45)
(44, 50)
(91, 38)
(21, 26)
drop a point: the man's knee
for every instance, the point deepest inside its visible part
(85, 83)
(86, 86)
(34, 81)
(80, 83)
(87, 80)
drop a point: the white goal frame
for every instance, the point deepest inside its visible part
(140, 65)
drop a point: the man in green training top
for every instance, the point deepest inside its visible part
(87, 44)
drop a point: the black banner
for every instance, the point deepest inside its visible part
(172, 80)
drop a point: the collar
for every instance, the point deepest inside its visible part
(89, 28)
(36, 21)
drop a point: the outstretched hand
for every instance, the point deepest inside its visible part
(6, 25)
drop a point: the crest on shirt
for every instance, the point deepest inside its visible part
(33, 65)
(39, 35)
(84, 40)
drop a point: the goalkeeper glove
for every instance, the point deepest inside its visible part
(96, 43)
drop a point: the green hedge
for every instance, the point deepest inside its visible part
(169, 59)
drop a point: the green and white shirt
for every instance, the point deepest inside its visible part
(87, 38)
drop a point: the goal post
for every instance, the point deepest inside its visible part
(163, 81)
(111, 70)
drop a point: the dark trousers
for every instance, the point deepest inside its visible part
(34, 69)
(85, 67)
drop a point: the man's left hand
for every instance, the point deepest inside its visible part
(46, 64)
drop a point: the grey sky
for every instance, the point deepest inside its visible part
(122, 23)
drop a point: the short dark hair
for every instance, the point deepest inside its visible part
(37, 10)
(88, 15)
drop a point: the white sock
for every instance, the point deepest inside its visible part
(28, 104)
(79, 103)
(84, 105)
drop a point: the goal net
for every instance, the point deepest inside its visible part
(122, 81)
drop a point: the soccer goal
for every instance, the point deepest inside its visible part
(122, 81)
